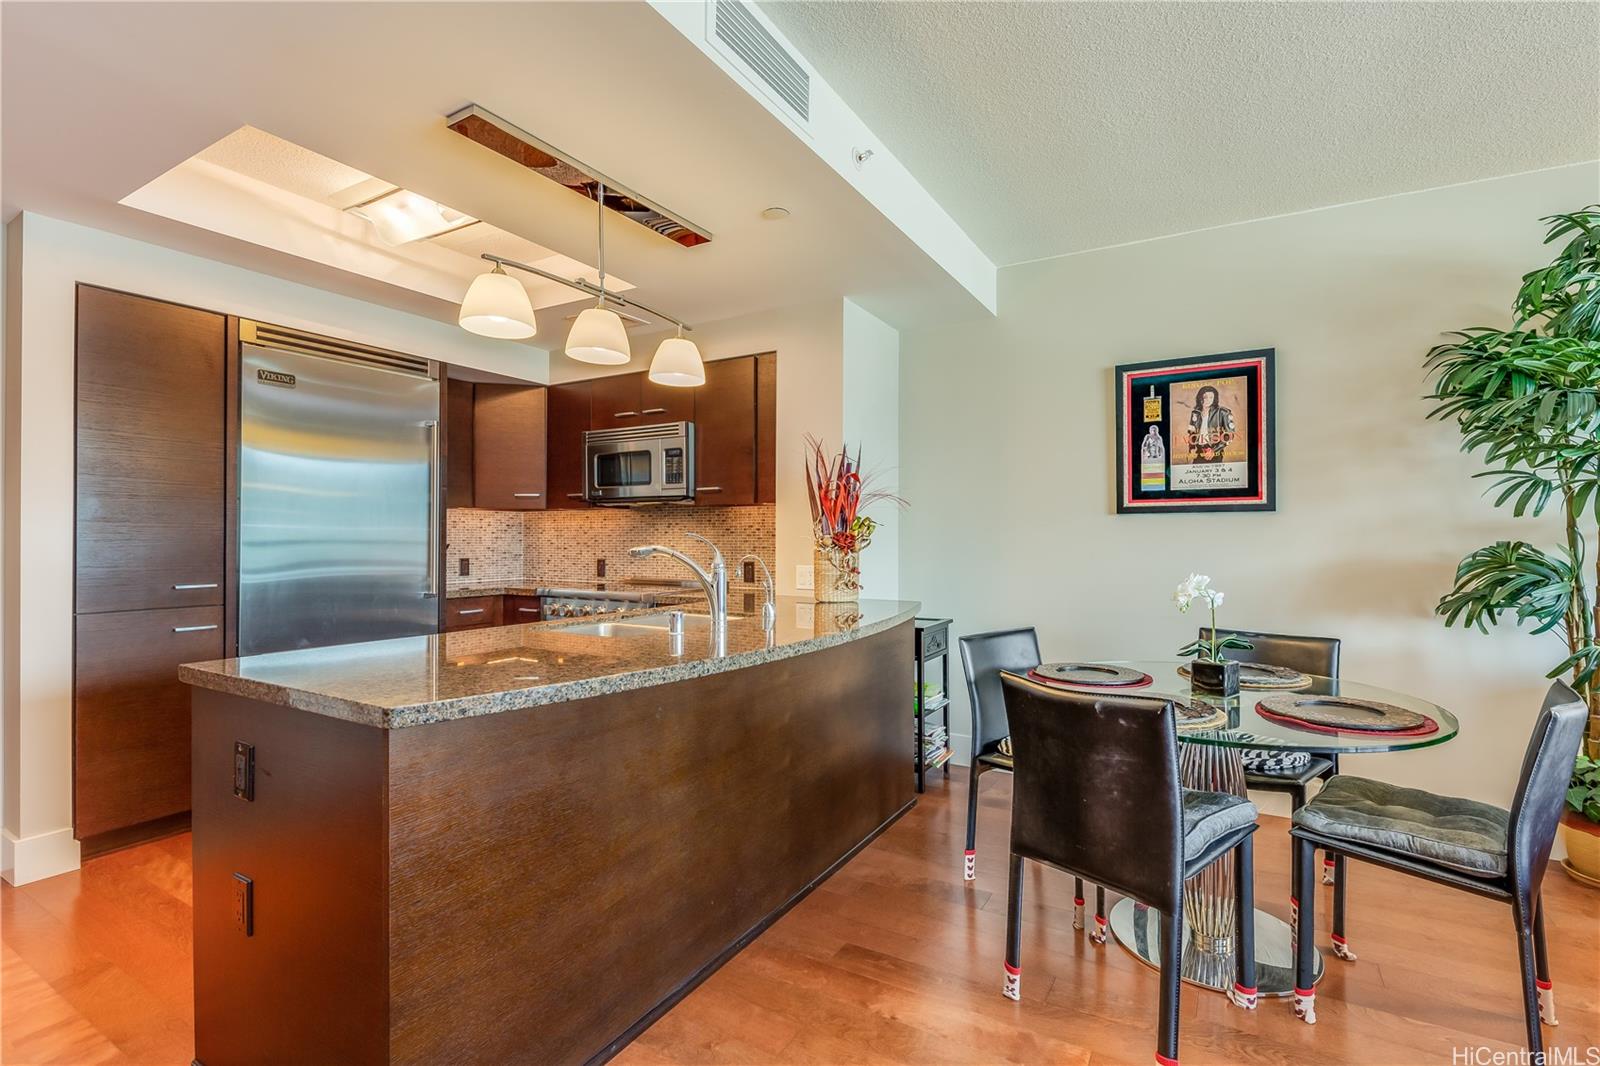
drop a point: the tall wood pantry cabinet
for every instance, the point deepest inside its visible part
(149, 562)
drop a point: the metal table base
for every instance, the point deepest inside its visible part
(1138, 928)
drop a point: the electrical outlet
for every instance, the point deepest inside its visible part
(749, 571)
(599, 568)
(244, 917)
(465, 566)
(805, 615)
(802, 577)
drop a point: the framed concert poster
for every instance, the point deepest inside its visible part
(1196, 434)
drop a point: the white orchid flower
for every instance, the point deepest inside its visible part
(1191, 588)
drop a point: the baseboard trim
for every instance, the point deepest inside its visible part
(33, 858)
(696, 979)
(128, 836)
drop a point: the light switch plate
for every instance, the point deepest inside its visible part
(802, 577)
(805, 615)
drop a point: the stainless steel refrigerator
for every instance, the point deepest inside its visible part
(338, 492)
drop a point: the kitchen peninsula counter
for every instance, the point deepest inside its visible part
(524, 844)
(410, 681)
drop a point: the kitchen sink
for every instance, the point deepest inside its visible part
(642, 624)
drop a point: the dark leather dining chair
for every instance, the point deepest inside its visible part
(985, 655)
(1309, 655)
(1095, 793)
(1458, 843)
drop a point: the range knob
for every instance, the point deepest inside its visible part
(588, 608)
(563, 611)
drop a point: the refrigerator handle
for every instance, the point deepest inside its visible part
(432, 588)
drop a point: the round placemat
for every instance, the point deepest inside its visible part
(1091, 675)
(1346, 714)
(1194, 717)
(1264, 676)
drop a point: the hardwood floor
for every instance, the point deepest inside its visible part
(895, 959)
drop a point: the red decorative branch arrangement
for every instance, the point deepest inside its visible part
(838, 492)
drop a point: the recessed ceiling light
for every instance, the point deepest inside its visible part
(773, 214)
(400, 216)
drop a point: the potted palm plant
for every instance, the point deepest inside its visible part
(1528, 399)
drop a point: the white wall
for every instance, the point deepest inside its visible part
(872, 423)
(1006, 445)
(47, 258)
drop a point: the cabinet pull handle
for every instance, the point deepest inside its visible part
(623, 414)
(473, 610)
(192, 629)
(574, 495)
(654, 411)
(708, 488)
(527, 495)
(528, 610)
(196, 585)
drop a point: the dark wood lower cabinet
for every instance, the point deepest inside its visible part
(535, 886)
(515, 610)
(472, 612)
(131, 719)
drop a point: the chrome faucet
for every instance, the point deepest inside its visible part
(769, 609)
(715, 583)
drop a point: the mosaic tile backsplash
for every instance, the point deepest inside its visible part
(508, 547)
(492, 540)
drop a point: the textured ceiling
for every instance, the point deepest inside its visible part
(1048, 128)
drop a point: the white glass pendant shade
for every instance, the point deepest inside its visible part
(598, 337)
(498, 306)
(677, 362)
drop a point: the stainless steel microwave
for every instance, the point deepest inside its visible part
(639, 464)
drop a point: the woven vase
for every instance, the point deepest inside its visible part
(835, 585)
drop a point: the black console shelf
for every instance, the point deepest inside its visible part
(932, 642)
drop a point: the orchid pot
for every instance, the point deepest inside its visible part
(1217, 678)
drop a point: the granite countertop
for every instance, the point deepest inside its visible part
(411, 681)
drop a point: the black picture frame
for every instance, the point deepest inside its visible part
(1216, 453)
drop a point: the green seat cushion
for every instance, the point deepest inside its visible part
(1460, 834)
(1001, 759)
(1210, 816)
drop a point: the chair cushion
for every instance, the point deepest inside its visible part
(1210, 816)
(1460, 834)
(1302, 775)
(997, 758)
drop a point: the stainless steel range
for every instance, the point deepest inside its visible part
(580, 602)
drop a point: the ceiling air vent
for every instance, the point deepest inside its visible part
(740, 32)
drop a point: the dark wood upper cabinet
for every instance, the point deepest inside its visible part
(131, 714)
(616, 401)
(150, 453)
(664, 403)
(725, 434)
(458, 444)
(508, 447)
(767, 428)
(568, 419)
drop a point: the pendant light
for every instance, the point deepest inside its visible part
(677, 362)
(498, 306)
(598, 335)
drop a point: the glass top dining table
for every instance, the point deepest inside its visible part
(1246, 727)
(1211, 759)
